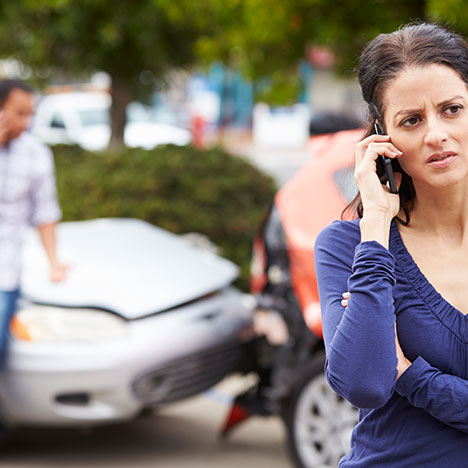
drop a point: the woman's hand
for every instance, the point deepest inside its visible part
(376, 197)
(403, 363)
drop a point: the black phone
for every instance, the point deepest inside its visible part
(387, 164)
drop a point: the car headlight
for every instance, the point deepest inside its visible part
(45, 323)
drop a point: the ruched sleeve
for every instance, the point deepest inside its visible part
(443, 396)
(361, 363)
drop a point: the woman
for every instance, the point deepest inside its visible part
(405, 261)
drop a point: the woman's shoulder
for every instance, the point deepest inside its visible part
(343, 233)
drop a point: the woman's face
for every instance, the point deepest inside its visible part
(426, 115)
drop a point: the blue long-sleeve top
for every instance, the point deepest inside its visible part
(421, 419)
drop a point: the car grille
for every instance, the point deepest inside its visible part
(188, 376)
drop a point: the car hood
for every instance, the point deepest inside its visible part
(124, 265)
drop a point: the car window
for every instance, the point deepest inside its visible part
(137, 112)
(90, 117)
(344, 180)
(57, 120)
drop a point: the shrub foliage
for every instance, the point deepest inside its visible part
(180, 189)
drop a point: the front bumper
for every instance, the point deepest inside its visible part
(162, 358)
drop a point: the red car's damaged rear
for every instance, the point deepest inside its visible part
(289, 351)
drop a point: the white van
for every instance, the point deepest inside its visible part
(83, 118)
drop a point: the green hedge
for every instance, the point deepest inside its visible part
(180, 189)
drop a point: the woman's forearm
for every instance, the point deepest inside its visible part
(443, 396)
(375, 226)
(359, 339)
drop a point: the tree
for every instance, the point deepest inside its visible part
(450, 12)
(272, 35)
(269, 38)
(136, 42)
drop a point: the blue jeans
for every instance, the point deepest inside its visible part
(7, 309)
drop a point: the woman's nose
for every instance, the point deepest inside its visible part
(435, 133)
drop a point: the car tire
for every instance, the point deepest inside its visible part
(318, 421)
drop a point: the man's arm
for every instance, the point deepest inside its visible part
(58, 271)
(46, 212)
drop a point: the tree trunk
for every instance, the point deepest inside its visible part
(121, 97)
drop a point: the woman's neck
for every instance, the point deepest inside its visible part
(442, 212)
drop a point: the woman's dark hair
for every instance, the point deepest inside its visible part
(413, 45)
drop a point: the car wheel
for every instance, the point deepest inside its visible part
(318, 421)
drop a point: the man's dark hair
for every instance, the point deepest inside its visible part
(8, 85)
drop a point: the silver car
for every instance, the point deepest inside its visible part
(144, 318)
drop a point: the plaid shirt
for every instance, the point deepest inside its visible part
(27, 196)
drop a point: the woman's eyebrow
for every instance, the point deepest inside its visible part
(407, 112)
(448, 101)
(417, 111)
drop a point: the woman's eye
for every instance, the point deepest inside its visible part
(453, 110)
(410, 121)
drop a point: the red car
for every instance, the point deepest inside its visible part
(290, 353)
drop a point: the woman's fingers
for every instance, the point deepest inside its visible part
(386, 149)
(374, 195)
(374, 146)
(346, 295)
(403, 363)
(362, 146)
(366, 156)
(374, 150)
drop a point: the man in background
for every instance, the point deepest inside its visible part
(27, 196)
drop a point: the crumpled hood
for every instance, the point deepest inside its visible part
(124, 265)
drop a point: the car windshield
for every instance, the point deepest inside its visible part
(137, 112)
(90, 117)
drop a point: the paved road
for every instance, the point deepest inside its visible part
(183, 435)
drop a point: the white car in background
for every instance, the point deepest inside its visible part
(144, 318)
(83, 118)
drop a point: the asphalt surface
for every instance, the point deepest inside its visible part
(183, 435)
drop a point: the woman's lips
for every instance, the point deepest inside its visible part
(441, 160)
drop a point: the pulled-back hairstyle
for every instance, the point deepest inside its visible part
(413, 45)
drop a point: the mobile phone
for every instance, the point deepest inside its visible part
(387, 164)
